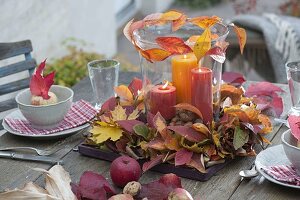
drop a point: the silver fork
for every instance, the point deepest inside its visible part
(38, 151)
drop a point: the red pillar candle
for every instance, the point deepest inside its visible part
(202, 97)
(163, 99)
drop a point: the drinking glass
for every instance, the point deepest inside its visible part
(293, 78)
(104, 76)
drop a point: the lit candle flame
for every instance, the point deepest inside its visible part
(165, 85)
(184, 56)
(139, 92)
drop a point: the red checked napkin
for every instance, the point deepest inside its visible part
(79, 113)
(283, 173)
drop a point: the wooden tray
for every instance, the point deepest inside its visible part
(162, 168)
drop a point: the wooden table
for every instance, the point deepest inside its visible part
(226, 184)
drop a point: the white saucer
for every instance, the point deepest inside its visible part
(270, 157)
(61, 134)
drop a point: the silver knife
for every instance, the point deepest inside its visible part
(30, 157)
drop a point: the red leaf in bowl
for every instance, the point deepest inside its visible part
(40, 85)
(294, 122)
(233, 78)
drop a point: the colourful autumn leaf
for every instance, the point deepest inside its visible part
(188, 133)
(183, 157)
(234, 78)
(109, 104)
(235, 94)
(119, 113)
(141, 130)
(189, 107)
(135, 86)
(176, 24)
(197, 162)
(153, 162)
(130, 27)
(156, 54)
(217, 54)
(128, 125)
(126, 97)
(159, 122)
(294, 122)
(39, 84)
(237, 112)
(160, 189)
(203, 44)
(171, 15)
(174, 45)
(266, 122)
(262, 88)
(205, 21)
(242, 37)
(102, 133)
(201, 128)
(157, 144)
(240, 138)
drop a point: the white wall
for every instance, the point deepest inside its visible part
(48, 23)
(153, 6)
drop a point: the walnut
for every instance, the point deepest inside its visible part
(132, 188)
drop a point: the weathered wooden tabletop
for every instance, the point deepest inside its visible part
(226, 184)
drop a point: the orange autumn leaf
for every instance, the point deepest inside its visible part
(171, 15)
(202, 44)
(174, 45)
(266, 122)
(201, 128)
(237, 112)
(235, 94)
(253, 114)
(242, 37)
(205, 21)
(189, 107)
(179, 22)
(126, 97)
(156, 54)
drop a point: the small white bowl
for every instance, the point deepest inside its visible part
(46, 116)
(291, 150)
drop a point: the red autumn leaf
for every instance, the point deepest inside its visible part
(170, 180)
(188, 133)
(262, 88)
(150, 120)
(83, 193)
(273, 105)
(135, 85)
(197, 162)
(153, 162)
(174, 45)
(242, 37)
(294, 122)
(160, 189)
(128, 125)
(234, 78)
(182, 157)
(179, 22)
(205, 21)
(217, 54)
(157, 144)
(39, 84)
(155, 54)
(109, 104)
(189, 107)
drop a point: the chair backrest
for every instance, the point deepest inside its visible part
(9, 50)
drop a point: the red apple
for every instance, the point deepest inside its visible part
(124, 169)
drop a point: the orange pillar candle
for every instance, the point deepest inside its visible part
(163, 99)
(202, 94)
(181, 75)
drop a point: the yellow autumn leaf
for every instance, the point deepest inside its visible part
(126, 97)
(202, 44)
(119, 113)
(201, 128)
(160, 124)
(134, 114)
(103, 133)
(216, 138)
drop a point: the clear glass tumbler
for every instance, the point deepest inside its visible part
(293, 78)
(104, 75)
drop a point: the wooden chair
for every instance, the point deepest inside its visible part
(9, 50)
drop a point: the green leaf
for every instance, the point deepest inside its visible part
(141, 130)
(240, 138)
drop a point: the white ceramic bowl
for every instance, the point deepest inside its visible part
(291, 150)
(46, 116)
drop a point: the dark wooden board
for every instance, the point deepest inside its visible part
(164, 168)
